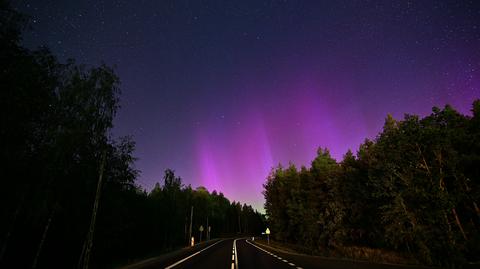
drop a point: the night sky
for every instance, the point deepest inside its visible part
(221, 91)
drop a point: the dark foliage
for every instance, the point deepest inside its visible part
(414, 189)
(55, 126)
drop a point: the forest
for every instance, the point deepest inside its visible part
(57, 145)
(70, 196)
(413, 189)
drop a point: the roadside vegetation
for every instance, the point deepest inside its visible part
(414, 189)
(56, 144)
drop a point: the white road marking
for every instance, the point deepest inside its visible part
(196, 253)
(235, 250)
(278, 257)
(233, 265)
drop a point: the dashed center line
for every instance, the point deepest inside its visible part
(234, 255)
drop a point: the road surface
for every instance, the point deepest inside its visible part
(243, 253)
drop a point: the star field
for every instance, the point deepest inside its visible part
(222, 91)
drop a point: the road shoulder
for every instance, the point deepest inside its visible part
(335, 262)
(170, 257)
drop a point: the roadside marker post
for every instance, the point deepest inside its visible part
(194, 254)
(267, 232)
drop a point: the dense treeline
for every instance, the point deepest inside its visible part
(55, 129)
(175, 202)
(413, 189)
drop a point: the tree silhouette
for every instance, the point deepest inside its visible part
(55, 127)
(414, 189)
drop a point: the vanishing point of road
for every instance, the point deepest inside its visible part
(244, 253)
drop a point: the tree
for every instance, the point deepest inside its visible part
(413, 189)
(56, 123)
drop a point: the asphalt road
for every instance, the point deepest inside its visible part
(243, 253)
(253, 256)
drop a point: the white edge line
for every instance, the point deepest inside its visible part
(256, 246)
(235, 249)
(278, 257)
(184, 259)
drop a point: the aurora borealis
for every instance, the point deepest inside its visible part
(223, 91)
